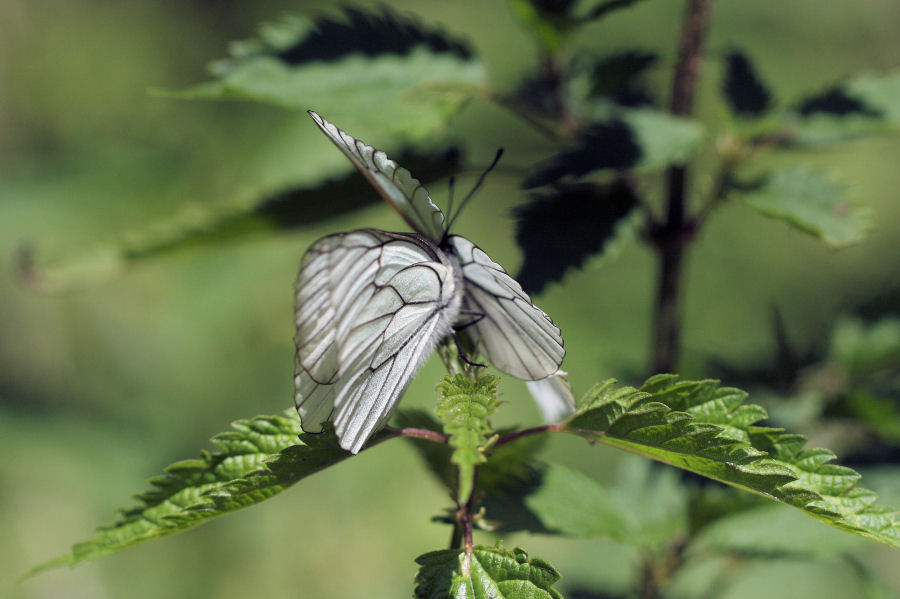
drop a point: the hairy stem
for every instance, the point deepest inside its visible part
(418, 433)
(537, 430)
(672, 236)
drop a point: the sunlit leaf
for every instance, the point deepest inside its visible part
(464, 408)
(376, 70)
(487, 573)
(561, 228)
(811, 202)
(709, 430)
(256, 460)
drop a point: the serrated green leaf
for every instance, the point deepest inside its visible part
(486, 573)
(811, 202)
(374, 69)
(865, 105)
(707, 429)
(256, 460)
(464, 408)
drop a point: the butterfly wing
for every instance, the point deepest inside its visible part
(371, 306)
(395, 184)
(516, 336)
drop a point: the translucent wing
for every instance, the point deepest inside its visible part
(516, 336)
(371, 306)
(395, 184)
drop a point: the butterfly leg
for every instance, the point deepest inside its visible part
(462, 355)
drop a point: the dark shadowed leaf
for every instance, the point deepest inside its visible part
(561, 228)
(253, 213)
(371, 34)
(618, 77)
(835, 102)
(643, 139)
(746, 93)
(604, 146)
(601, 10)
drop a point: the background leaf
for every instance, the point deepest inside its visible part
(413, 76)
(746, 93)
(811, 202)
(258, 459)
(561, 228)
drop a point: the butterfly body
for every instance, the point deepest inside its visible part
(372, 305)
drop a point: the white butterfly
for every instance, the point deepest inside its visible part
(371, 306)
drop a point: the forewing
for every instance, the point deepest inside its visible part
(516, 336)
(371, 306)
(395, 184)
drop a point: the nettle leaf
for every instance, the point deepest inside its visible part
(703, 428)
(618, 77)
(745, 92)
(645, 507)
(642, 139)
(306, 203)
(256, 460)
(486, 573)
(598, 10)
(864, 105)
(561, 228)
(809, 201)
(464, 407)
(414, 76)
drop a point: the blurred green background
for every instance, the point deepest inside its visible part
(101, 387)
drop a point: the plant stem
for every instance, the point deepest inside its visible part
(419, 433)
(672, 236)
(536, 430)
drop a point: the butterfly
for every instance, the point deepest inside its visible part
(372, 305)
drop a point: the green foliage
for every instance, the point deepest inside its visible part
(485, 573)
(707, 429)
(413, 77)
(258, 459)
(644, 507)
(811, 202)
(464, 407)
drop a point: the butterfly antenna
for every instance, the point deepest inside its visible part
(451, 184)
(475, 187)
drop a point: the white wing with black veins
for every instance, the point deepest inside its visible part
(395, 184)
(370, 308)
(516, 336)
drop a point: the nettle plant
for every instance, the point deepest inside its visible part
(372, 305)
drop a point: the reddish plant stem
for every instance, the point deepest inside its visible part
(419, 433)
(537, 430)
(672, 236)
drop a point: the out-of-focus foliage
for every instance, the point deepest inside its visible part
(103, 385)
